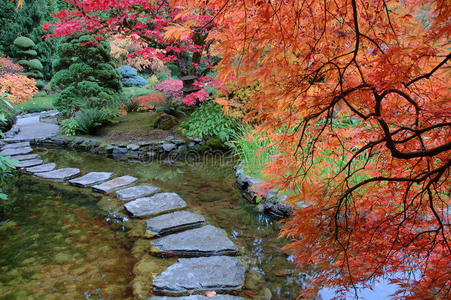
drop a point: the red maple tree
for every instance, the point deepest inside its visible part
(355, 95)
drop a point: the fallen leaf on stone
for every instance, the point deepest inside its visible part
(210, 294)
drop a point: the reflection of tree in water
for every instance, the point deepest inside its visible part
(155, 171)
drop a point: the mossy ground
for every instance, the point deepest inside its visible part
(135, 127)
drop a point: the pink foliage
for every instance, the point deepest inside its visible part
(192, 98)
(8, 66)
(172, 88)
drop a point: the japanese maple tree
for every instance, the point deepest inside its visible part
(154, 23)
(356, 96)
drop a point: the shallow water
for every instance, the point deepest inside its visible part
(67, 243)
(61, 232)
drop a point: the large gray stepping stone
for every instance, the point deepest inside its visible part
(198, 297)
(204, 241)
(17, 151)
(42, 168)
(201, 274)
(27, 157)
(154, 205)
(113, 184)
(91, 178)
(28, 163)
(16, 145)
(59, 174)
(174, 222)
(137, 192)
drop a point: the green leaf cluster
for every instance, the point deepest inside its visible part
(209, 121)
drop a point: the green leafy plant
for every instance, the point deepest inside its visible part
(89, 119)
(209, 121)
(131, 105)
(69, 127)
(169, 107)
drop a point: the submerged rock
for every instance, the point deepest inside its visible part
(154, 205)
(204, 241)
(91, 178)
(59, 174)
(137, 192)
(201, 274)
(174, 222)
(113, 184)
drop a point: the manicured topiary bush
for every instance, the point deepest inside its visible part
(85, 74)
(130, 77)
(33, 67)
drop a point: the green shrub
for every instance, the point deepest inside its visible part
(131, 105)
(87, 76)
(69, 127)
(209, 121)
(7, 113)
(88, 119)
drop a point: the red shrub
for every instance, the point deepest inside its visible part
(146, 101)
(171, 88)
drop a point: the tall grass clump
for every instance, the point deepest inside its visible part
(252, 150)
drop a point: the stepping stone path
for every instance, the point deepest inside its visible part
(156, 204)
(17, 145)
(204, 241)
(27, 157)
(219, 273)
(113, 184)
(210, 266)
(28, 163)
(16, 151)
(174, 222)
(59, 174)
(42, 168)
(137, 192)
(91, 178)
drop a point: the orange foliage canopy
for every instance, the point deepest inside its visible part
(355, 94)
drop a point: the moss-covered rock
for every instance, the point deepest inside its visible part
(166, 122)
(24, 43)
(215, 143)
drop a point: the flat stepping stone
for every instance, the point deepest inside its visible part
(155, 205)
(27, 157)
(204, 241)
(91, 178)
(113, 184)
(219, 273)
(174, 222)
(16, 145)
(42, 168)
(17, 151)
(28, 163)
(59, 174)
(198, 297)
(137, 192)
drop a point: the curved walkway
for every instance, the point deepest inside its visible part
(207, 258)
